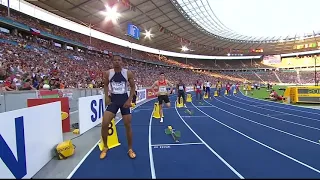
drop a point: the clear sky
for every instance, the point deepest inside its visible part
(268, 17)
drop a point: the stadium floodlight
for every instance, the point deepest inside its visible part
(112, 14)
(148, 34)
(184, 48)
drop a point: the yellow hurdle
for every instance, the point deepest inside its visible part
(189, 98)
(215, 93)
(181, 103)
(234, 91)
(225, 92)
(205, 96)
(156, 111)
(113, 140)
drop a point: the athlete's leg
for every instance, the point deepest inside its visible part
(160, 100)
(167, 101)
(197, 94)
(108, 115)
(134, 99)
(183, 95)
(126, 116)
(179, 96)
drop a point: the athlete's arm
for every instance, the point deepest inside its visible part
(132, 85)
(106, 85)
(153, 86)
(171, 85)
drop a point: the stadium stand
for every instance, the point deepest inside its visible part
(66, 68)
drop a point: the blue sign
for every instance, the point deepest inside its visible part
(18, 167)
(97, 111)
(133, 31)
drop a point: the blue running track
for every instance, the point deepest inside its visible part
(226, 137)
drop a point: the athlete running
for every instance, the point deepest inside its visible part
(181, 92)
(118, 79)
(228, 87)
(198, 90)
(162, 94)
(218, 87)
(208, 86)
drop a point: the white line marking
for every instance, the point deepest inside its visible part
(204, 106)
(279, 105)
(89, 152)
(299, 137)
(284, 113)
(178, 144)
(153, 171)
(279, 119)
(194, 116)
(262, 144)
(214, 152)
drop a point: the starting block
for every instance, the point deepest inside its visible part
(133, 105)
(175, 134)
(156, 111)
(181, 103)
(189, 112)
(189, 98)
(215, 93)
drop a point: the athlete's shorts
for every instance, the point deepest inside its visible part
(113, 107)
(208, 89)
(181, 94)
(117, 102)
(198, 91)
(164, 98)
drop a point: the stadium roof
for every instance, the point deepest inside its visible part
(169, 21)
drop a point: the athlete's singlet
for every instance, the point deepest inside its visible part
(162, 85)
(118, 85)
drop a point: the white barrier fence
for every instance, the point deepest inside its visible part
(27, 138)
(91, 110)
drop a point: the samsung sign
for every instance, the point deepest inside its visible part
(133, 31)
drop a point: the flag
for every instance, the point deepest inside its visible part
(34, 31)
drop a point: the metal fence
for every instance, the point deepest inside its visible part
(13, 100)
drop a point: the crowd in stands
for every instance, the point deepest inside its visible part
(29, 62)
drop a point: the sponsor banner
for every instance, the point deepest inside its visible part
(189, 88)
(141, 95)
(91, 111)
(150, 93)
(27, 137)
(65, 114)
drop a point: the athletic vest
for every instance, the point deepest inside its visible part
(180, 87)
(208, 84)
(118, 82)
(198, 85)
(162, 86)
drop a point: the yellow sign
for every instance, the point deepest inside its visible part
(113, 140)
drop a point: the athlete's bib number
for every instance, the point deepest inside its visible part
(162, 89)
(180, 87)
(198, 87)
(118, 88)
